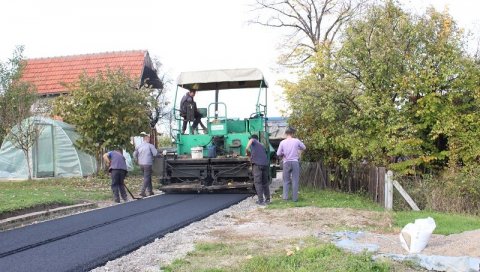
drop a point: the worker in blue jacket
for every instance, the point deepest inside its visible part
(260, 164)
(117, 166)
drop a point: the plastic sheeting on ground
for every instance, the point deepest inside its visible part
(438, 263)
(347, 241)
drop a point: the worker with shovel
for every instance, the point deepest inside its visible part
(117, 167)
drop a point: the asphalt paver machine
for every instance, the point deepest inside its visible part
(216, 160)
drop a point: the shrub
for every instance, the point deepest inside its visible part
(450, 191)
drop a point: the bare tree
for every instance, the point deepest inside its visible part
(10, 73)
(24, 136)
(17, 99)
(313, 24)
(476, 55)
(158, 103)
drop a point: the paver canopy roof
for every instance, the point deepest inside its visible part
(48, 74)
(222, 79)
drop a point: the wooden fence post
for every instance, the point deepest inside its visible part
(406, 196)
(389, 190)
(377, 185)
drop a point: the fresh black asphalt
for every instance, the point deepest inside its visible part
(84, 241)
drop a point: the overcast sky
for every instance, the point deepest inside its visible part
(185, 35)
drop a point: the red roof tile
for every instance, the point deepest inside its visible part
(47, 74)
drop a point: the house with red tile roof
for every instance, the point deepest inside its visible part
(49, 74)
(55, 156)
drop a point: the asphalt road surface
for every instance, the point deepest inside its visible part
(84, 241)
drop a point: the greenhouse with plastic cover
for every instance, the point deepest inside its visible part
(53, 154)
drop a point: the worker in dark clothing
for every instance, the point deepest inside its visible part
(117, 167)
(189, 112)
(259, 160)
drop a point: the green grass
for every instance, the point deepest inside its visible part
(21, 195)
(202, 251)
(27, 194)
(325, 257)
(325, 199)
(446, 223)
(214, 257)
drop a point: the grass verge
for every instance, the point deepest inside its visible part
(236, 256)
(325, 199)
(325, 257)
(18, 196)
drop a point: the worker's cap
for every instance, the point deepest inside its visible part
(254, 136)
(143, 133)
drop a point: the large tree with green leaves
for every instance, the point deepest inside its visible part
(400, 91)
(106, 109)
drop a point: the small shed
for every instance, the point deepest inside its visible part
(53, 155)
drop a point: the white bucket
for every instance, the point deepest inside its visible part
(197, 152)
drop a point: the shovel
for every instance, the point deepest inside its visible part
(130, 193)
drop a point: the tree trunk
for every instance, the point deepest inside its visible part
(153, 137)
(29, 164)
(100, 163)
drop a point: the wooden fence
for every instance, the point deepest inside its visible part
(357, 178)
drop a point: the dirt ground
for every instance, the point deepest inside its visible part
(323, 222)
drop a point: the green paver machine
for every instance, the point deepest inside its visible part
(213, 160)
